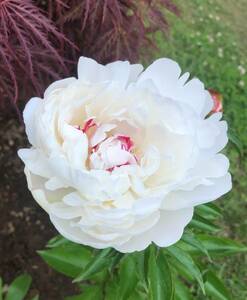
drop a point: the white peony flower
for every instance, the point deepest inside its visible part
(120, 157)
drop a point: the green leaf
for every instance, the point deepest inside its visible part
(57, 241)
(181, 291)
(185, 259)
(112, 290)
(180, 269)
(208, 211)
(1, 289)
(145, 266)
(35, 297)
(140, 266)
(127, 277)
(192, 240)
(90, 293)
(19, 287)
(201, 223)
(137, 295)
(96, 264)
(220, 245)
(115, 260)
(100, 277)
(215, 287)
(68, 259)
(235, 141)
(159, 276)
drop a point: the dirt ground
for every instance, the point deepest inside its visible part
(24, 226)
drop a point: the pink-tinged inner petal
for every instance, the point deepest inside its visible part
(101, 134)
(107, 151)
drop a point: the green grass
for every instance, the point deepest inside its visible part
(209, 40)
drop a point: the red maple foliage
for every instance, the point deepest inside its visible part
(30, 50)
(109, 30)
(35, 37)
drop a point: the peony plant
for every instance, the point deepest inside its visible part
(119, 159)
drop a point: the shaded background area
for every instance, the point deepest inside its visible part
(24, 227)
(209, 40)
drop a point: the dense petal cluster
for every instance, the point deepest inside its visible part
(120, 156)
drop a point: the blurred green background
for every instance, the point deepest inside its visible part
(210, 41)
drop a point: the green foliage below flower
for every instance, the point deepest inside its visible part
(18, 289)
(154, 274)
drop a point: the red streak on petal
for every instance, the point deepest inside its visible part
(126, 142)
(112, 168)
(94, 148)
(88, 124)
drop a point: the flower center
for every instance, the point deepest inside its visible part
(107, 150)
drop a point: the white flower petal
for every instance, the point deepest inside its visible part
(116, 156)
(124, 72)
(43, 197)
(73, 199)
(54, 183)
(35, 161)
(201, 194)
(150, 161)
(119, 71)
(75, 146)
(100, 133)
(170, 227)
(90, 71)
(58, 85)
(216, 166)
(167, 231)
(208, 105)
(75, 234)
(193, 94)
(31, 115)
(84, 181)
(164, 73)
(147, 205)
(135, 71)
(183, 79)
(212, 135)
(63, 211)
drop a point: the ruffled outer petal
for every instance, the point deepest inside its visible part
(165, 74)
(58, 85)
(167, 231)
(30, 114)
(199, 195)
(120, 71)
(43, 196)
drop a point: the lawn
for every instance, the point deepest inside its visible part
(209, 40)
